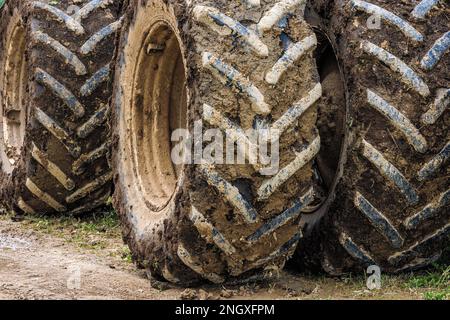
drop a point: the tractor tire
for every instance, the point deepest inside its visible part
(393, 198)
(232, 65)
(55, 71)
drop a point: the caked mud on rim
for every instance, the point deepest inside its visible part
(13, 107)
(157, 107)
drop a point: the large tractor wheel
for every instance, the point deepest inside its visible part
(393, 200)
(234, 65)
(54, 93)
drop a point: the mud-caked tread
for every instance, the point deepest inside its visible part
(63, 165)
(244, 59)
(394, 208)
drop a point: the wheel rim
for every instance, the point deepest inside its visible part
(332, 123)
(158, 107)
(13, 107)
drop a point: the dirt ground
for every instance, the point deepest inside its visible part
(68, 258)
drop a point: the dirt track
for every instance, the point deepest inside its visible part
(34, 266)
(40, 265)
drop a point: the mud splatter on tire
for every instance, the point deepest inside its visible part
(235, 64)
(54, 93)
(392, 205)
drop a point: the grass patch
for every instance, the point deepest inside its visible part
(126, 255)
(432, 283)
(436, 280)
(90, 231)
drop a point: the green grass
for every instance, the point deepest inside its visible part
(125, 254)
(432, 283)
(91, 231)
(436, 280)
(97, 230)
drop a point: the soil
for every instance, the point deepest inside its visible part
(38, 265)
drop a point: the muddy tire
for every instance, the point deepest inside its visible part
(213, 222)
(392, 207)
(55, 90)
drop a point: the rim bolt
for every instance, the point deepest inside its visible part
(154, 48)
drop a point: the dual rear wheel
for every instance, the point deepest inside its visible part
(362, 118)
